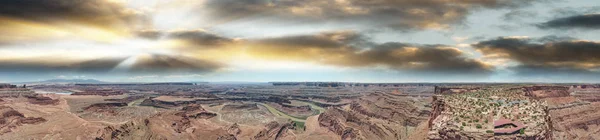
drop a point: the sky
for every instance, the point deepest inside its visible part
(301, 40)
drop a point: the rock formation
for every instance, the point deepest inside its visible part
(11, 119)
(275, 130)
(182, 124)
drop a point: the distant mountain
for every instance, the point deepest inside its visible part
(236, 83)
(74, 81)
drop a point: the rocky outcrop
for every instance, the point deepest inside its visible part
(377, 115)
(386, 108)
(236, 107)
(546, 91)
(126, 99)
(7, 86)
(234, 129)
(438, 107)
(195, 111)
(297, 111)
(42, 100)
(100, 92)
(577, 122)
(16, 93)
(274, 130)
(227, 137)
(130, 130)
(181, 124)
(333, 120)
(106, 108)
(454, 90)
(11, 119)
(187, 113)
(493, 114)
(173, 104)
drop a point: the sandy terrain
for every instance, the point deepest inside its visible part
(61, 124)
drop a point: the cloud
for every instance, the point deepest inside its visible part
(41, 19)
(394, 14)
(142, 64)
(155, 63)
(349, 49)
(149, 34)
(518, 15)
(100, 13)
(199, 38)
(573, 11)
(531, 51)
(184, 76)
(47, 65)
(322, 40)
(587, 21)
(550, 54)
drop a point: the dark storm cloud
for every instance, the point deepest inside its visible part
(166, 63)
(477, 38)
(322, 40)
(92, 66)
(149, 34)
(587, 21)
(199, 38)
(430, 58)
(404, 15)
(546, 55)
(142, 64)
(346, 49)
(530, 51)
(100, 13)
(554, 38)
(572, 11)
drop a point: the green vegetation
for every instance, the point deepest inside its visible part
(477, 108)
(522, 131)
(300, 125)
